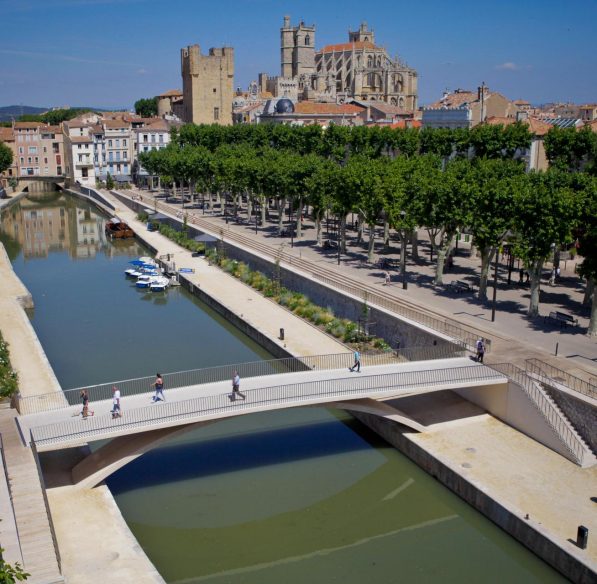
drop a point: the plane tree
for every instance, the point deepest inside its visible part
(545, 211)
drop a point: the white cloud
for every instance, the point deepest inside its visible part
(141, 71)
(508, 66)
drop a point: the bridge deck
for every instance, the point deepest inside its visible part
(64, 428)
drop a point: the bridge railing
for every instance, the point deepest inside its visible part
(546, 408)
(55, 401)
(545, 372)
(294, 395)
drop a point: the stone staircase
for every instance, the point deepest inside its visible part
(587, 457)
(37, 544)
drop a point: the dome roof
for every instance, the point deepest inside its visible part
(284, 106)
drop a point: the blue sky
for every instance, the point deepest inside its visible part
(108, 53)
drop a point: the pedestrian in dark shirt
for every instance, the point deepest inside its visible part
(159, 389)
(85, 399)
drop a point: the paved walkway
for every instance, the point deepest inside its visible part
(515, 338)
(514, 470)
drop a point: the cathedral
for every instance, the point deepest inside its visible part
(357, 69)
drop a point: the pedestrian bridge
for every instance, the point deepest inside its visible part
(144, 424)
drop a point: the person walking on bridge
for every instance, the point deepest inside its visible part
(357, 363)
(85, 399)
(159, 389)
(116, 411)
(236, 387)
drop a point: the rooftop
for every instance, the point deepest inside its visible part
(308, 107)
(355, 46)
(171, 93)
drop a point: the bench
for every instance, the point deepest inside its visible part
(460, 286)
(561, 318)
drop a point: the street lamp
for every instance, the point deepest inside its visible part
(403, 251)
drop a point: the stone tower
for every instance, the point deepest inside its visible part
(362, 35)
(207, 85)
(297, 49)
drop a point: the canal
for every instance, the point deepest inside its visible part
(305, 495)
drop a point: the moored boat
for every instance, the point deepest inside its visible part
(116, 228)
(159, 284)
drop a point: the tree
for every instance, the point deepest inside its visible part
(11, 574)
(5, 157)
(570, 149)
(545, 210)
(493, 201)
(109, 182)
(147, 107)
(587, 244)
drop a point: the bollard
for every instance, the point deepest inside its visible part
(582, 536)
(557, 347)
(281, 334)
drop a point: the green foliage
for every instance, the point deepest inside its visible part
(5, 157)
(13, 183)
(181, 238)
(8, 377)
(147, 107)
(570, 149)
(11, 574)
(109, 182)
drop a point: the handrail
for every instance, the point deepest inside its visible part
(58, 400)
(294, 394)
(550, 373)
(344, 283)
(552, 416)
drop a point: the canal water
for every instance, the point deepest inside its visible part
(304, 495)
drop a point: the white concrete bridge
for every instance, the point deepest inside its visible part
(144, 424)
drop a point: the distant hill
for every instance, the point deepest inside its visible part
(10, 112)
(7, 113)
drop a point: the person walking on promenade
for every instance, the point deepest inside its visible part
(357, 363)
(85, 399)
(116, 411)
(386, 278)
(480, 346)
(159, 389)
(236, 387)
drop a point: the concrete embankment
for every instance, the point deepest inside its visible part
(535, 495)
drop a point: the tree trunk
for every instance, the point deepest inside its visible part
(386, 233)
(360, 229)
(588, 292)
(299, 214)
(343, 234)
(263, 209)
(371, 246)
(487, 254)
(414, 242)
(592, 330)
(281, 206)
(318, 234)
(250, 207)
(535, 270)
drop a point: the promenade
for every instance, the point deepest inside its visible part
(515, 338)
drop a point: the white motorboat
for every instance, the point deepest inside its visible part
(144, 281)
(159, 283)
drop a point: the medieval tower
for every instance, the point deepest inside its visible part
(207, 85)
(297, 49)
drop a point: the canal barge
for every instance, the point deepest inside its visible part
(116, 228)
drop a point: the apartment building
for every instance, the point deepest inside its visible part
(79, 153)
(39, 149)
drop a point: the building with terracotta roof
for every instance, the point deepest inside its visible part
(7, 137)
(588, 112)
(38, 149)
(169, 103)
(306, 113)
(153, 135)
(356, 69)
(465, 109)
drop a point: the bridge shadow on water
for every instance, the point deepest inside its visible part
(198, 458)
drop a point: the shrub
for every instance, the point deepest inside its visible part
(8, 377)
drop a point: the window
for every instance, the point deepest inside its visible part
(125, 155)
(45, 160)
(307, 40)
(80, 158)
(32, 149)
(145, 138)
(37, 160)
(45, 149)
(124, 142)
(117, 143)
(59, 170)
(55, 147)
(28, 159)
(22, 160)
(153, 138)
(216, 113)
(145, 148)
(109, 143)
(21, 150)
(84, 173)
(215, 90)
(161, 139)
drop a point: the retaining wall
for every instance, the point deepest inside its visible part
(517, 527)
